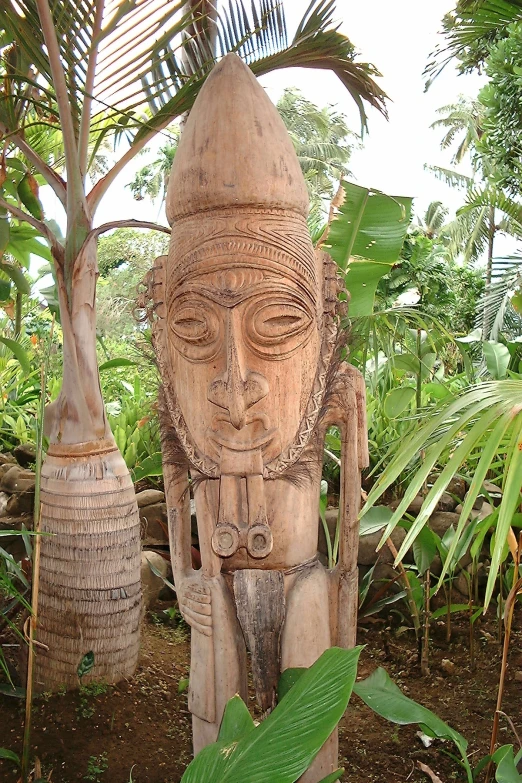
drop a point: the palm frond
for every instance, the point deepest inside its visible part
(452, 178)
(316, 44)
(486, 422)
(494, 305)
(469, 30)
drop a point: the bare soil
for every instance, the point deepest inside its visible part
(143, 725)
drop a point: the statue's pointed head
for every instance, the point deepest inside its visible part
(242, 282)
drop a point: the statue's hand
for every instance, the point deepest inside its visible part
(194, 603)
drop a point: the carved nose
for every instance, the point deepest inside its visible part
(234, 391)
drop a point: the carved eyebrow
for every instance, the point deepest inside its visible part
(233, 298)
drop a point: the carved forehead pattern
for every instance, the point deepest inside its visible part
(262, 239)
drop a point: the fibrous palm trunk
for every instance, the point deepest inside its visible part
(90, 594)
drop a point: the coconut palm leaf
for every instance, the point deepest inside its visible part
(469, 31)
(316, 44)
(484, 420)
(452, 178)
(495, 305)
(489, 196)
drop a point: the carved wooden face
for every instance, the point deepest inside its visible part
(243, 348)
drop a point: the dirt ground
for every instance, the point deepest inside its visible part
(143, 725)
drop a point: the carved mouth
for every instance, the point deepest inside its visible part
(221, 432)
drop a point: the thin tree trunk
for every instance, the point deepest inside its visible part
(491, 242)
(90, 593)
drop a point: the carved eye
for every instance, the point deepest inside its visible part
(277, 327)
(191, 324)
(196, 329)
(280, 320)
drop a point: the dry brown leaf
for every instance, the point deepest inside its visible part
(429, 772)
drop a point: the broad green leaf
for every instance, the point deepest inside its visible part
(497, 358)
(86, 665)
(19, 352)
(14, 691)
(397, 400)
(374, 519)
(150, 466)
(287, 680)
(473, 337)
(282, 747)
(334, 776)
(9, 755)
(365, 239)
(424, 549)
(506, 771)
(387, 700)
(119, 362)
(407, 362)
(17, 276)
(236, 721)
(184, 683)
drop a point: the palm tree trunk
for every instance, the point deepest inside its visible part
(491, 241)
(90, 593)
(489, 264)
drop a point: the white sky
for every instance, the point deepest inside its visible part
(398, 39)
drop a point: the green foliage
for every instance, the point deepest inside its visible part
(480, 425)
(96, 766)
(502, 99)
(365, 238)
(134, 423)
(282, 747)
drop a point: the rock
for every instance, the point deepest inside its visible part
(446, 502)
(7, 459)
(25, 454)
(3, 503)
(440, 521)
(151, 584)
(484, 510)
(367, 545)
(518, 676)
(17, 480)
(447, 666)
(458, 487)
(154, 524)
(4, 468)
(21, 503)
(149, 496)
(461, 583)
(492, 489)
(414, 507)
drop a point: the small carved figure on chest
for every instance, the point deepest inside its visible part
(245, 320)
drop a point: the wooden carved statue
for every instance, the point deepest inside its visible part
(245, 324)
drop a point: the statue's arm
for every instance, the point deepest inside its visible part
(347, 410)
(192, 591)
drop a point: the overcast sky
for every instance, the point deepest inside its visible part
(397, 38)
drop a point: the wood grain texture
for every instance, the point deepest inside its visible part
(90, 592)
(245, 318)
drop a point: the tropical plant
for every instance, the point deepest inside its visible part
(152, 179)
(285, 743)
(481, 425)
(470, 30)
(87, 71)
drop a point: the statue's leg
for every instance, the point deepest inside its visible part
(229, 675)
(306, 635)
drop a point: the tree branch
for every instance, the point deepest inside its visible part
(51, 177)
(85, 122)
(39, 225)
(126, 224)
(102, 186)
